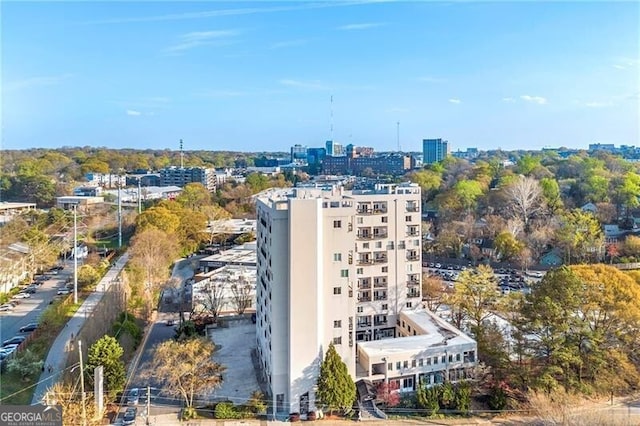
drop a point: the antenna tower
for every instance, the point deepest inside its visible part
(398, 135)
(331, 119)
(181, 156)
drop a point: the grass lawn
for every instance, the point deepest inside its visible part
(12, 387)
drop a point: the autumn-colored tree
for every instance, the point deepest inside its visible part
(387, 393)
(433, 291)
(186, 369)
(69, 397)
(195, 197)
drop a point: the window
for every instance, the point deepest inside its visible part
(450, 358)
(337, 340)
(379, 244)
(407, 218)
(337, 224)
(428, 361)
(360, 271)
(337, 290)
(385, 306)
(344, 273)
(405, 364)
(337, 323)
(435, 360)
(390, 366)
(409, 328)
(403, 326)
(398, 365)
(413, 363)
(416, 243)
(365, 245)
(457, 357)
(401, 244)
(385, 219)
(421, 362)
(359, 221)
(360, 309)
(385, 269)
(408, 305)
(444, 359)
(337, 257)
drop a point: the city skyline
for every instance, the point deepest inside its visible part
(254, 76)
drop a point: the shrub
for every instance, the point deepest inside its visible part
(225, 410)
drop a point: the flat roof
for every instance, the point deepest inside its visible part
(437, 332)
(6, 205)
(246, 253)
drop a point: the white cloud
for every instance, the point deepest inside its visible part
(133, 113)
(508, 99)
(309, 85)
(625, 63)
(361, 26)
(619, 67)
(535, 99)
(455, 101)
(28, 83)
(201, 38)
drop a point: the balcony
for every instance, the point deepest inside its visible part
(413, 234)
(363, 299)
(413, 257)
(380, 259)
(363, 285)
(380, 323)
(381, 296)
(412, 209)
(380, 235)
(380, 283)
(364, 261)
(413, 281)
(412, 294)
(364, 235)
(364, 324)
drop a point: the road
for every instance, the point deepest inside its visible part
(29, 310)
(157, 333)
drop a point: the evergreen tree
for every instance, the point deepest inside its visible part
(107, 352)
(336, 389)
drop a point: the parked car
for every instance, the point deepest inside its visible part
(15, 340)
(6, 307)
(130, 416)
(63, 291)
(170, 322)
(8, 350)
(133, 397)
(21, 295)
(29, 327)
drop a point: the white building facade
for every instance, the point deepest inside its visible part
(338, 267)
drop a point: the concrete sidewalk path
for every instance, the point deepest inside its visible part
(57, 356)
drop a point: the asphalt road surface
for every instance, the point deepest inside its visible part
(29, 310)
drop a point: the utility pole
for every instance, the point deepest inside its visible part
(139, 197)
(84, 408)
(148, 403)
(75, 254)
(119, 215)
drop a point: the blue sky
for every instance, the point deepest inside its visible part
(255, 76)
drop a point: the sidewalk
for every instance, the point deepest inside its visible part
(57, 356)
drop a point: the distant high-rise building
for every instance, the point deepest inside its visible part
(335, 149)
(298, 154)
(434, 150)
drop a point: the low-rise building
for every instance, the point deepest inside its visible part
(82, 203)
(244, 255)
(10, 210)
(231, 288)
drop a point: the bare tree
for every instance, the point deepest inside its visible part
(242, 298)
(213, 299)
(432, 291)
(525, 198)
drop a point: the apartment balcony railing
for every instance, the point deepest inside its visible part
(364, 236)
(364, 324)
(413, 209)
(413, 281)
(365, 261)
(381, 284)
(413, 233)
(364, 286)
(380, 235)
(382, 259)
(380, 297)
(413, 294)
(413, 257)
(379, 323)
(364, 299)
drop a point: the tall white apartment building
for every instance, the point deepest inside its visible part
(333, 266)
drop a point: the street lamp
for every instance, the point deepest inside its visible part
(75, 254)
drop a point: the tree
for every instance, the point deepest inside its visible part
(194, 196)
(160, 218)
(213, 299)
(551, 194)
(524, 197)
(153, 251)
(432, 291)
(387, 393)
(336, 389)
(468, 191)
(26, 364)
(242, 297)
(107, 352)
(87, 276)
(69, 398)
(507, 246)
(580, 235)
(186, 369)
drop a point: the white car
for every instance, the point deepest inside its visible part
(63, 291)
(21, 296)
